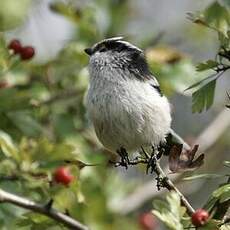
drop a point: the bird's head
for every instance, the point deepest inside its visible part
(113, 51)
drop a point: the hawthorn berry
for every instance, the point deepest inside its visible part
(15, 45)
(147, 221)
(27, 52)
(200, 217)
(63, 176)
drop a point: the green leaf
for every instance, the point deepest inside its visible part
(25, 123)
(220, 195)
(23, 222)
(225, 196)
(12, 13)
(211, 225)
(210, 64)
(218, 17)
(160, 205)
(7, 146)
(204, 176)
(35, 221)
(203, 97)
(225, 227)
(66, 10)
(13, 99)
(210, 203)
(220, 191)
(224, 40)
(201, 82)
(170, 211)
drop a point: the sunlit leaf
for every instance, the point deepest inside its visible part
(225, 227)
(207, 65)
(170, 211)
(218, 16)
(66, 10)
(199, 83)
(223, 193)
(7, 146)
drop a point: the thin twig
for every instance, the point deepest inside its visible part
(167, 183)
(162, 179)
(206, 139)
(6, 197)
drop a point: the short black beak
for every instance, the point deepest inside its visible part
(89, 51)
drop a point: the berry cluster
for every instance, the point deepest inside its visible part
(25, 52)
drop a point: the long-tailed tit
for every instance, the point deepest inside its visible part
(124, 101)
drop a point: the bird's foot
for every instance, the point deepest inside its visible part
(152, 161)
(151, 164)
(125, 161)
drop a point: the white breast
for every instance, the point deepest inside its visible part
(127, 114)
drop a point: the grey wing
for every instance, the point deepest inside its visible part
(140, 70)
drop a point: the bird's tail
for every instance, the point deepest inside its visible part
(178, 139)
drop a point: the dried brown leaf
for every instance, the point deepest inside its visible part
(181, 160)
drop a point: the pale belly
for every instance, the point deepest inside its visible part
(129, 119)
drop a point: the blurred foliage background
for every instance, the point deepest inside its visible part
(43, 120)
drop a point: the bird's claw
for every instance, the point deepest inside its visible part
(124, 158)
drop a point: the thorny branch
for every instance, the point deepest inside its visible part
(163, 181)
(167, 183)
(6, 197)
(206, 139)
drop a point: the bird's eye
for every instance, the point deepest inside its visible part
(103, 49)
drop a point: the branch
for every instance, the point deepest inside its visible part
(213, 131)
(162, 179)
(167, 183)
(69, 222)
(206, 139)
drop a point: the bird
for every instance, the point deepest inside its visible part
(124, 101)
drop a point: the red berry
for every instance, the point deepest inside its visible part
(62, 175)
(27, 52)
(15, 45)
(147, 221)
(200, 217)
